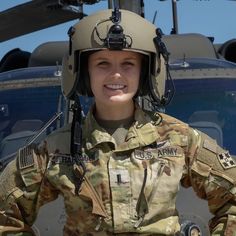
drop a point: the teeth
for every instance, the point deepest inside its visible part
(115, 86)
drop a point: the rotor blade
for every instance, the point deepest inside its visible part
(32, 16)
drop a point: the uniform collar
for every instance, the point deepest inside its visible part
(141, 133)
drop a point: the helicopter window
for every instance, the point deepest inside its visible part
(21, 125)
(29, 109)
(210, 107)
(29, 98)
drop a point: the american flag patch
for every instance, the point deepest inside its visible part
(226, 160)
(26, 158)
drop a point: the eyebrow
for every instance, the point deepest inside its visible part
(126, 58)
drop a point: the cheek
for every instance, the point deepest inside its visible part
(93, 80)
(93, 83)
(136, 84)
(135, 78)
(96, 82)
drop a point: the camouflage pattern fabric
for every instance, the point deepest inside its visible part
(130, 188)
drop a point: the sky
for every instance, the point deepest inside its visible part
(215, 18)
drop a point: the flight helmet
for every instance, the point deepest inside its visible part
(114, 30)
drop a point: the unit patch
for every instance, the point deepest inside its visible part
(226, 160)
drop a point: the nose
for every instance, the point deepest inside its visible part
(116, 75)
(116, 71)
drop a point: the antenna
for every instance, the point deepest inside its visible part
(136, 6)
(112, 4)
(115, 4)
(175, 19)
(154, 17)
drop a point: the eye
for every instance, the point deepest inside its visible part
(129, 63)
(102, 63)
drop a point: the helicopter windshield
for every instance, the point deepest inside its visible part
(209, 105)
(29, 98)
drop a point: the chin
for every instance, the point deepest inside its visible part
(120, 101)
(122, 98)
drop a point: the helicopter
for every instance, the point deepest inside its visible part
(202, 92)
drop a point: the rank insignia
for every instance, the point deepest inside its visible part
(226, 160)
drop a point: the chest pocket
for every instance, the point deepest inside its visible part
(159, 170)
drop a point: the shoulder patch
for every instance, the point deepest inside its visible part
(30, 165)
(226, 160)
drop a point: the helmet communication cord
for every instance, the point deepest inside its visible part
(76, 139)
(161, 48)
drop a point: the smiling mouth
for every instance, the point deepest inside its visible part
(115, 86)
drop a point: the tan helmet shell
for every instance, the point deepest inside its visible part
(84, 38)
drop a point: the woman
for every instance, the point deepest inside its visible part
(123, 174)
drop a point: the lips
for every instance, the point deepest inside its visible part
(115, 86)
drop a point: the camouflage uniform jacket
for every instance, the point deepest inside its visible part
(128, 189)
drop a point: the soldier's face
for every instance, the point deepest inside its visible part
(114, 76)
